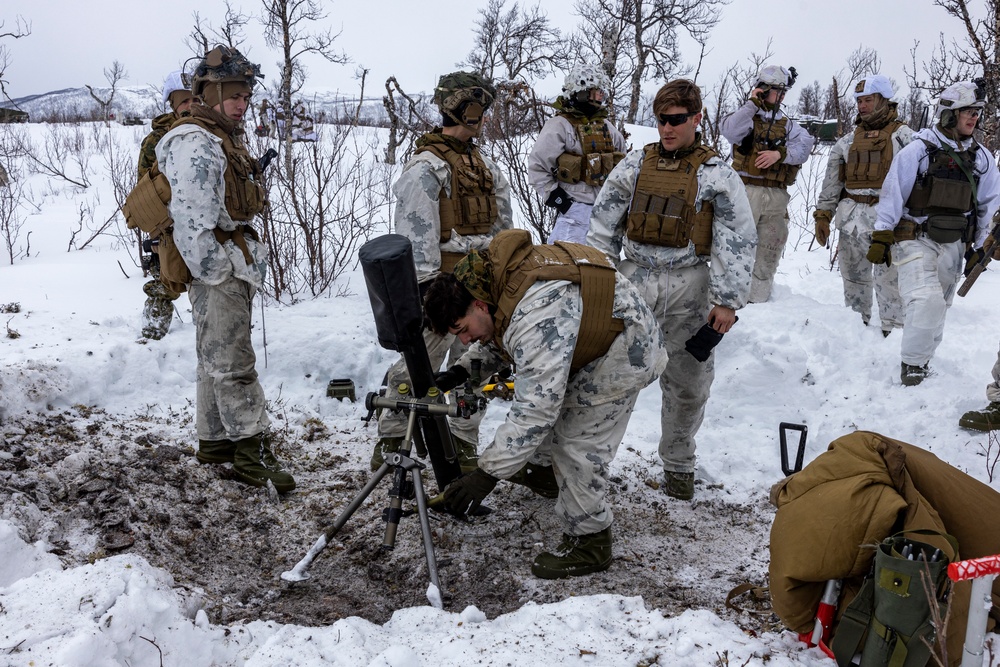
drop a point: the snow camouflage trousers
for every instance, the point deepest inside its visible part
(392, 424)
(572, 225)
(859, 275)
(993, 389)
(679, 300)
(158, 311)
(770, 213)
(230, 400)
(928, 278)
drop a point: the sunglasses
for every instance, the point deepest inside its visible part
(674, 119)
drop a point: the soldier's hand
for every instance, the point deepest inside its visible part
(451, 378)
(765, 159)
(972, 257)
(878, 251)
(822, 219)
(466, 493)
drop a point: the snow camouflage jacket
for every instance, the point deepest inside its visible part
(418, 215)
(909, 164)
(147, 152)
(559, 136)
(853, 217)
(739, 123)
(541, 339)
(194, 163)
(734, 234)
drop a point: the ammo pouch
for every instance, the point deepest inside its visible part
(569, 168)
(945, 228)
(146, 206)
(592, 169)
(891, 618)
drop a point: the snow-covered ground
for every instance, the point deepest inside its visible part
(802, 357)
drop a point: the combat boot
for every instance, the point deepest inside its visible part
(987, 419)
(255, 464)
(575, 556)
(468, 454)
(540, 479)
(911, 376)
(385, 445)
(679, 485)
(215, 451)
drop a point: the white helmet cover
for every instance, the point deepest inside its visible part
(776, 76)
(961, 95)
(874, 84)
(584, 76)
(175, 81)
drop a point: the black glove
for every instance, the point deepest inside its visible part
(559, 200)
(703, 342)
(466, 493)
(451, 378)
(972, 257)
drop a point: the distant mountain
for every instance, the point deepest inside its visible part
(145, 102)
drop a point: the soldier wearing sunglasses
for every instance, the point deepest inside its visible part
(681, 215)
(768, 150)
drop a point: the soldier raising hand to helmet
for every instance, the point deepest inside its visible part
(575, 152)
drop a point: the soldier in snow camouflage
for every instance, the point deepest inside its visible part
(159, 308)
(571, 420)
(682, 216)
(446, 179)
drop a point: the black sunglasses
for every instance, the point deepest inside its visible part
(674, 119)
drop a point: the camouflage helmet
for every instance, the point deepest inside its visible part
(455, 89)
(583, 77)
(222, 64)
(776, 76)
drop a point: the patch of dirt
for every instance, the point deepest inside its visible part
(94, 485)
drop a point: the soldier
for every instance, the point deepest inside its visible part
(939, 195)
(682, 215)
(215, 194)
(159, 309)
(575, 152)
(584, 344)
(855, 170)
(450, 199)
(768, 150)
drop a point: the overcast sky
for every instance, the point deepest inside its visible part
(72, 42)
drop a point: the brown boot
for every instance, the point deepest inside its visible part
(255, 464)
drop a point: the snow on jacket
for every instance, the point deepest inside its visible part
(913, 161)
(541, 339)
(194, 163)
(738, 124)
(418, 213)
(853, 217)
(734, 234)
(559, 136)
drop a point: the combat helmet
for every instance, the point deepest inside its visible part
(221, 65)
(776, 76)
(464, 97)
(874, 85)
(177, 81)
(961, 95)
(583, 77)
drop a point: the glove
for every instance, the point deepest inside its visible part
(822, 219)
(466, 493)
(972, 257)
(701, 344)
(878, 252)
(451, 378)
(559, 200)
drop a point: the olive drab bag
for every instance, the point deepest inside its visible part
(145, 208)
(892, 618)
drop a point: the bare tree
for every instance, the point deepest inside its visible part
(20, 29)
(810, 100)
(114, 75)
(862, 62)
(288, 27)
(405, 124)
(516, 44)
(978, 55)
(637, 40)
(231, 33)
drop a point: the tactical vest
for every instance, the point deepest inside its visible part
(946, 193)
(472, 207)
(663, 207)
(869, 157)
(599, 154)
(518, 264)
(765, 136)
(147, 206)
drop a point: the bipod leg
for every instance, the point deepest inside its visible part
(402, 465)
(425, 528)
(300, 571)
